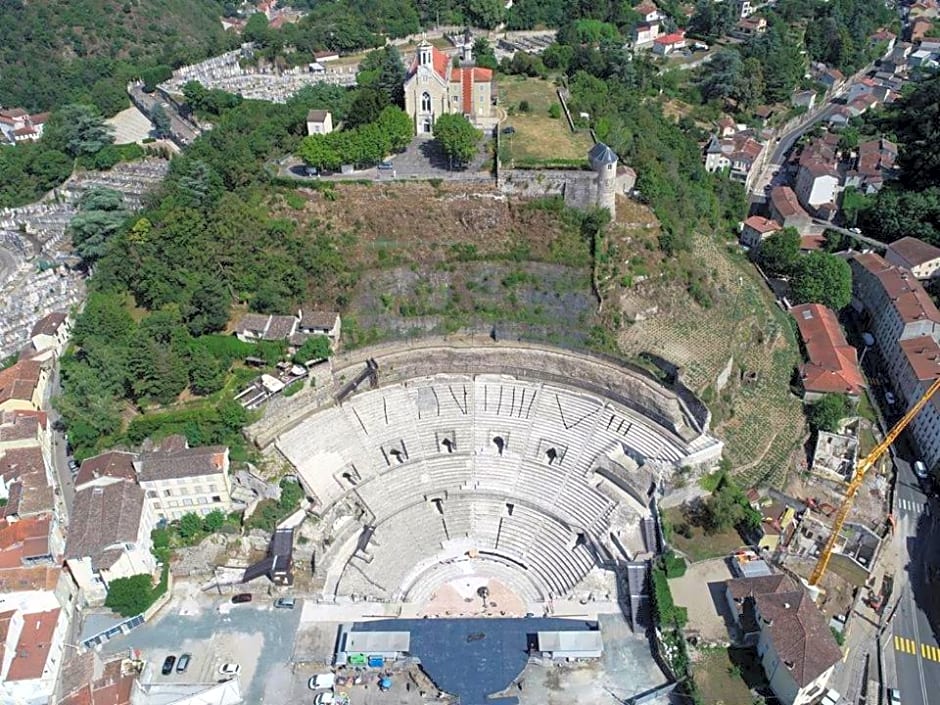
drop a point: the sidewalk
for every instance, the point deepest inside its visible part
(862, 638)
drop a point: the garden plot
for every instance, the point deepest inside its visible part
(539, 138)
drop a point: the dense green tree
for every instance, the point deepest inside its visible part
(484, 13)
(77, 130)
(154, 76)
(207, 307)
(190, 524)
(827, 413)
(778, 254)
(712, 20)
(719, 78)
(206, 372)
(100, 216)
(161, 122)
(483, 54)
(131, 596)
(397, 127)
(457, 137)
(821, 277)
(213, 521)
(316, 347)
(366, 107)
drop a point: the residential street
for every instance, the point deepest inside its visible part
(911, 635)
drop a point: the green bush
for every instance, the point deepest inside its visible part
(294, 387)
(673, 564)
(554, 111)
(134, 595)
(668, 614)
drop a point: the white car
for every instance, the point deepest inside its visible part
(890, 398)
(321, 681)
(894, 696)
(920, 469)
(230, 669)
(325, 698)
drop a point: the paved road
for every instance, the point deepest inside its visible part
(912, 636)
(871, 242)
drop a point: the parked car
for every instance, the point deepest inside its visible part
(509, 130)
(890, 398)
(920, 469)
(183, 663)
(285, 603)
(241, 597)
(230, 669)
(324, 698)
(386, 166)
(894, 696)
(168, 664)
(73, 465)
(321, 681)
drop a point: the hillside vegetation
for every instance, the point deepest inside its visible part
(65, 51)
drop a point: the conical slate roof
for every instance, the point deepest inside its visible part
(601, 154)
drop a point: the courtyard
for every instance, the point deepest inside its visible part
(708, 610)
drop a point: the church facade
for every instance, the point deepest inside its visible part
(435, 87)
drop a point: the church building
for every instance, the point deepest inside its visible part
(435, 87)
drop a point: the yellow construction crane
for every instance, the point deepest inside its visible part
(860, 469)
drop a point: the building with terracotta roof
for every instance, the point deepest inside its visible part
(893, 302)
(31, 644)
(25, 483)
(106, 468)
(785, 208)
(435, 87)
(178, 479)
(794, 643)
(831, 365)
(110, 683)
(109, 537)
(50, 335)
(668, 43)
(914, 371)
(874, 164)
(906, 326)
(737, 154)
(756, 229)
(23, 385)
(922, 258)
(817, 178)
(16, 125)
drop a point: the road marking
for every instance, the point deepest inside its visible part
(908, 646)
(913, 507)
(930, 652)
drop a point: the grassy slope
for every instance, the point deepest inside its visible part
(760, 421)
(66, 46)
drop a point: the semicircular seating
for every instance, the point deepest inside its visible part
(444, 464)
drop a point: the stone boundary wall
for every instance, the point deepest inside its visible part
(630, 387)
(577, 186)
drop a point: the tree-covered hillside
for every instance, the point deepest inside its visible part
(65, 51)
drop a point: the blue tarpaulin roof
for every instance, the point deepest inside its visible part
(473, 658)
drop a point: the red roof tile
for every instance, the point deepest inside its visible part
(923, 355)
(762, 224)
(833, 363)
(32, 651)
(906, 294)
(913, 252)
(19, 381)
(23, 539)
(667, 39)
